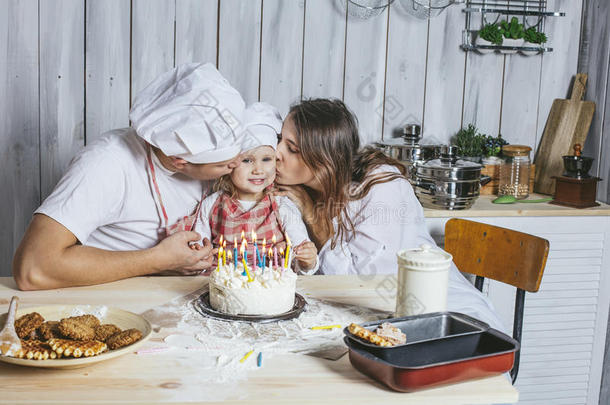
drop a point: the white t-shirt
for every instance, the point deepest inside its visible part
(107, 200)
(390, 218)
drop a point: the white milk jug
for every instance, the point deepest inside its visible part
(423, 280)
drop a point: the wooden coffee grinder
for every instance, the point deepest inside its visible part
(575, 188)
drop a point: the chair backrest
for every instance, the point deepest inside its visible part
(501, 254)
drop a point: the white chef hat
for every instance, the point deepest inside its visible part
(262, 123)
(191, 112)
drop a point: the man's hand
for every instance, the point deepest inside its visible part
(306, 255)
(180, 259)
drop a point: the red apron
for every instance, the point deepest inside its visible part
(186, 223)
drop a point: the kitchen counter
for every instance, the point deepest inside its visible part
(483, 207)
(167, 378)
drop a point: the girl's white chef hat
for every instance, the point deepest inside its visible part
(191, 112)
(262, 123)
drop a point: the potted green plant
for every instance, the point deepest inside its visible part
(512, 33)
(493, 149)
(489, 35)
(470, 143)
(533, 38)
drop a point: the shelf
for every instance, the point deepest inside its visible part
(468, 47)
(514, 12)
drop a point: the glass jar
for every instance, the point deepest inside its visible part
(515, 171)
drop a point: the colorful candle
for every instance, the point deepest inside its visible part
(281, 264)
(219, 258)
(231, 257)
(257, 257)
(270, 256)
(235, 253)
(273, 241)
(224, 253)
(243, 260)
(287, 252)
(244, 256)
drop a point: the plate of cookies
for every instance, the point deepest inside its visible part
(72, 336)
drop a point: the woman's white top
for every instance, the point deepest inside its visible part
(288, 213)
(390, 218)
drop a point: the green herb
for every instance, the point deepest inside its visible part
(493, 145)
(512, 29)
(470, 142)
(491, 33)
(533, 36)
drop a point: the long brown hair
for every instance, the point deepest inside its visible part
(329, 144)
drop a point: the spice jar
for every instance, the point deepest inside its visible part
(515, 171)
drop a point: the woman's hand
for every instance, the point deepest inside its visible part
(306, 255)
(300, 197)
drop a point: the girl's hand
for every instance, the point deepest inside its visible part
(306, 255)
(299, 196)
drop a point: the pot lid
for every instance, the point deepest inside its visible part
(426, 257)
(449, 161)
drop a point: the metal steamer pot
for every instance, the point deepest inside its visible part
(449, 183)
(408, 151)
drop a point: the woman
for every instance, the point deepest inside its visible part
(357, 204)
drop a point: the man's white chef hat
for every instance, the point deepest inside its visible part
(262, 123)
(191, 112)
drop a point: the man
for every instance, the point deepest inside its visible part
(127, 203)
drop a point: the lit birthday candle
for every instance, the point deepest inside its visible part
(270, 257)
(263, 254)
(231, 256)
(235, 253)
(287, 252)
(243, 260)
(244, 256)
(257, 257)
(273, 241)
(219, 258)
(224, 253)
(281, 263)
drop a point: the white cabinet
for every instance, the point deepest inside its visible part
(564, 327)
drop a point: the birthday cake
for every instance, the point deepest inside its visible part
(261, 291)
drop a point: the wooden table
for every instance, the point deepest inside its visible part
(160, 378)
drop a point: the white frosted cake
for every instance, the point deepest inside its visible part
(271, 292)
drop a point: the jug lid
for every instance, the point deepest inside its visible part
(426, 257)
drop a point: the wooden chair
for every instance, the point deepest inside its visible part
(501, 254)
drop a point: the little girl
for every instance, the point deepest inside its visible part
(242, 202)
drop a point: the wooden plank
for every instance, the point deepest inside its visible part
(520, 99)
(444, 75)
(406, 69)
(325, 23)
(107, 66)
(365, 63)
(152, 41)
(62, 89)
(483, 88)
(282, 53)
(239, 46)
(594, 59)
(196, 31)
(19, 123)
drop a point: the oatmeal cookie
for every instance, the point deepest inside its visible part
(105, 331)
(49, 330)
(27, 324)
(124, 338)
(74, 329)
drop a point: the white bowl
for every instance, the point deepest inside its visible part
(511, 42)
(530, 44)
(481, 41)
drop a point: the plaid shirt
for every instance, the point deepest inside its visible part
(229, 219)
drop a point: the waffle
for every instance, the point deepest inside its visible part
(35, 350)
(77, 348)
(369, 336)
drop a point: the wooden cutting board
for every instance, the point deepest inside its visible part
(568, 124)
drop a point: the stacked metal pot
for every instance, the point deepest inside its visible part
(440, 179)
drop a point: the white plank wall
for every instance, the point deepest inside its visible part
(107, 55)
(324, 48)
(62, 88)
(196, 31)
(19, 122)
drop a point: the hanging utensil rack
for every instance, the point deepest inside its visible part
(531, 13)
